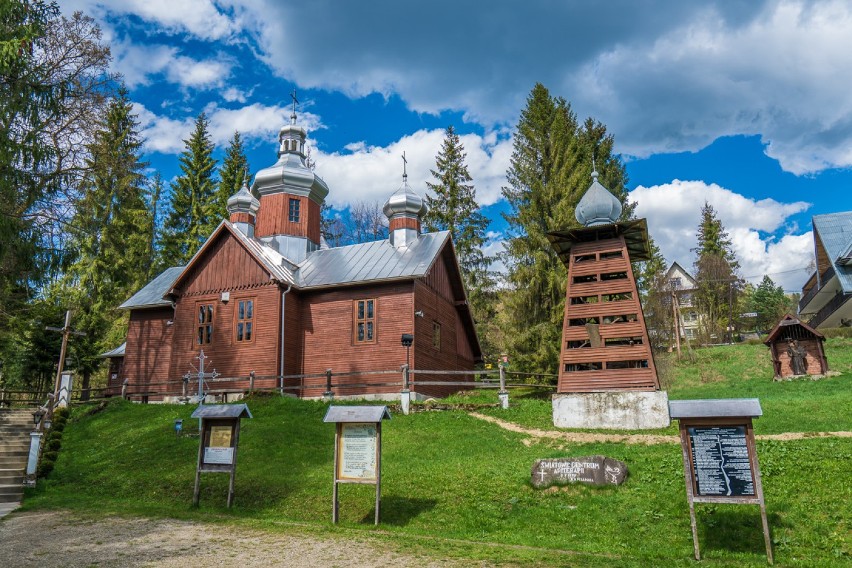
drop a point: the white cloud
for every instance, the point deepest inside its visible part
(141, 64)
(673, 211)
(202, 19)
(373, 173)
(776, 68)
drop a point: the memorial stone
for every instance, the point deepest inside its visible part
(592, 470)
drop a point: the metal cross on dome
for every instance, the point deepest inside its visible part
(404, 168)
(295, 102)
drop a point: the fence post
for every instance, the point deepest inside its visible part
(328, 395)
(251, 381)
(124, 389)
(503, 395)
(405, 395)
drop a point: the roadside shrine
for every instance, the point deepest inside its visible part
(719, 456)
(218, 442)
(357, 448)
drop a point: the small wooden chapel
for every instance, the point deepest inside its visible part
(265, 294)
(797, 349)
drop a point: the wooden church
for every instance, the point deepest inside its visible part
(265, 294)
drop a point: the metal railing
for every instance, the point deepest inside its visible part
(828, 309)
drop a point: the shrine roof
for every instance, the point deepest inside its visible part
(152, 295)
(371, 262)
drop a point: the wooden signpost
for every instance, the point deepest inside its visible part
(357, 448)
(220, 437)
(719, 456)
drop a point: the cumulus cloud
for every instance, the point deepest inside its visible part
(773, 68)
(141, 64)
(759, 231)
(372, 173)
(202, 19)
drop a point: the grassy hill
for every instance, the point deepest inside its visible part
(458, 486)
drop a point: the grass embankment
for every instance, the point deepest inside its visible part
(454, 485)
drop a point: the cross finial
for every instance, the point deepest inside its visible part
(295, 102)
(245, 176)
(594, 168)
(404, 168)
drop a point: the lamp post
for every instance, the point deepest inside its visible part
(405, 397)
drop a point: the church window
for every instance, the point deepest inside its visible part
(436, 335)
(204, 323)
(294, 210)
(364, 316)
(245, 320)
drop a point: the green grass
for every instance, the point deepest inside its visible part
(737, 371)
(453, 485)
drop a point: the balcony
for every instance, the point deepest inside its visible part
(811, 294)
(832, 306)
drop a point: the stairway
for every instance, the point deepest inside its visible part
(15, 428)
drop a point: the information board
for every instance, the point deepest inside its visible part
(721, 463)
(358, 452)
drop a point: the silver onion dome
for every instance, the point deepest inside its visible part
(243, 201)
(405, 203)
(598, 206)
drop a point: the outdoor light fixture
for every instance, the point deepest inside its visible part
(178, 426)
(48, 422)
(37, 416)
(407, 339)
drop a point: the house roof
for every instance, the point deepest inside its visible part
(371, 262)
(117, 352)
(835, 233)
(676, 267)
(788, 321)
(153, 294)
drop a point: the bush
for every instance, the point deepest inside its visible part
(52, 444)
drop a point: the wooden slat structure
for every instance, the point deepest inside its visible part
(604, 339)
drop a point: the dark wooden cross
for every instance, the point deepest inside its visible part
(66, 332)
(295, 102)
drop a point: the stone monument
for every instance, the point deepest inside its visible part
(607, 377)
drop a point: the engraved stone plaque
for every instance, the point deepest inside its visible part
(592, 470)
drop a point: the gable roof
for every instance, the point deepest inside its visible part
(377, 261)
(835, 233)
(152, 295)
(676, 267)
(788, 321)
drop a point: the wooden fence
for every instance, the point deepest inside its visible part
(328, 384)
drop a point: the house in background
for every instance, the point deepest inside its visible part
(826, 295)
(683, 285)
(265, 294)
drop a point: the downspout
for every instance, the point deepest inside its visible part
(281, 354)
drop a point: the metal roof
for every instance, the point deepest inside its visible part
(117, 352)
(713, 408)
(356, 414)
(370, 262)
(835, 233)
(277, 265)
(222, 411)
(151, 296)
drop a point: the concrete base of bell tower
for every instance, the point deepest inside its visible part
(612, 410)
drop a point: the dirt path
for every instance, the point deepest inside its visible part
(58, 538)
(647, 439)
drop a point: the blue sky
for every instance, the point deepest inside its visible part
(743, 104)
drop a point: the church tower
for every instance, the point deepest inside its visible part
(291, 197)
(404, 210)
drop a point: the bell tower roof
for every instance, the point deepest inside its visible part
(598, 206)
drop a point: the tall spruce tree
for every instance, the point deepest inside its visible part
(718, 286)
(111, 226)
(550, 170)
(190, 218)
(454, 209)
(233, 172)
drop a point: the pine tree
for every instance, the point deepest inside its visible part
(454, 209)
(769, 302)
(550, 170)
(718, 286)
(193, 201)
(111, 227)
(233, 172)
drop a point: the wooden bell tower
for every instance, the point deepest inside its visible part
(605, 343)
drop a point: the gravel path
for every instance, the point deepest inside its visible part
(647, 439)
(58, 538)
